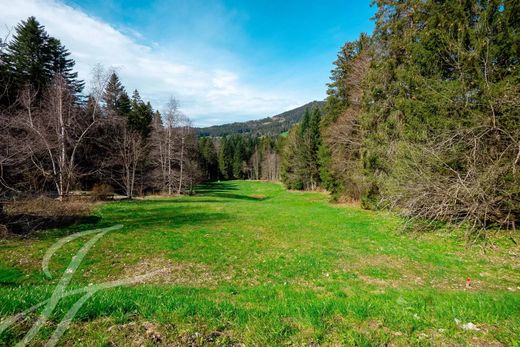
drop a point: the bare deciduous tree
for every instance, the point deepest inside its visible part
(184, 131)
(47, 136)
(54, 131)
(128, 150)
(344, 137)
(163, 146)
(173, 145)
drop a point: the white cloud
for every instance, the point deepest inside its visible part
(209, 94)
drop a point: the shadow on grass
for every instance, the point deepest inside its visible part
(237, 196)
(173, 220)
(134, 216)
(28, 224)
(213, 187)
(169, 212)
(166, 201)
(159, 213)
(224, 190)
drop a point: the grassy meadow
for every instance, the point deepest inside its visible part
(250, 263)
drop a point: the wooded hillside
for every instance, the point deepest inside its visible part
(270, 126)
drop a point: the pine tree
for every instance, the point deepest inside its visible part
(27, 56)
(313, 140)
(300, 165)
(340, 149)
(114, 91)
(291, 167)
(208, 158)
(140, 115)
(339, 90)
(124, 105)
(439, 117)
(239, 155)
(225, 158)
(62, 64)
(32, 58)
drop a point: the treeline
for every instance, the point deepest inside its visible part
(57, 139)
(422, 117)
(54, 138)
(241, 157)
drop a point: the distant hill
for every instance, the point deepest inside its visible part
(273, 126)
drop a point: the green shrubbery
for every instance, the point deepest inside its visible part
(424, 116)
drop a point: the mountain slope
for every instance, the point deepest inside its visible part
(274, 125)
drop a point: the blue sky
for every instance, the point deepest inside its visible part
(223, 60)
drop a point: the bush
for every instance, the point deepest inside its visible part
(102, 191)
(48, 207)
(3, 231)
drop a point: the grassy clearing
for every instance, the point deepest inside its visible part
(249, 262)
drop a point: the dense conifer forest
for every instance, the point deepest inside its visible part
(422, 116)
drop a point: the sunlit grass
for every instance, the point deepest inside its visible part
(250, 262)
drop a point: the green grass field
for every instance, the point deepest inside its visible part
(251, 263)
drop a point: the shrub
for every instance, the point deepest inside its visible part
(102, 191)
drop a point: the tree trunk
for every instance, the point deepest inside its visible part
(61, 162)
(182, 166)
(170, 183)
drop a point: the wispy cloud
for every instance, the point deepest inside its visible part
(208, 93)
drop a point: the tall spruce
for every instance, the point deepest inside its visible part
(225, 158)
(62, 64)
(141, 115)
(32, 58)
(300, 164)
(342, 136)
(113, 94)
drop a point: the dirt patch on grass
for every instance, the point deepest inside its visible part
(136, 334)
(346, 202)
(178, 272)
(384, 271)
(147, 333)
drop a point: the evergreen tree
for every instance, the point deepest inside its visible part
(114, 91)
(443, 85)
(140, 115)
(27, 56)
(313, 141)
(225, 158)
(32, 58)
(340, 149)
(208, 158)
(339, 90)
(300, 166)
(238, 157)
(292, 163)
(62, 64)
(124, 105)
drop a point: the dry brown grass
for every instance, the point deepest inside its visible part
(48, 207)
(23, 217)
(177, 272)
